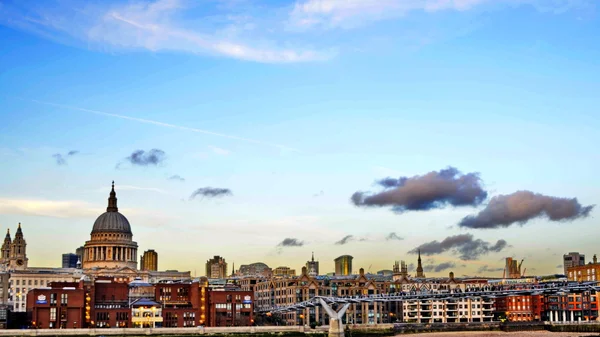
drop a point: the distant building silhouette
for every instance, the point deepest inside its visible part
(343, 265)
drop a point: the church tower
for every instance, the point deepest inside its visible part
(18, 251)
(420, 266)
(5, 251)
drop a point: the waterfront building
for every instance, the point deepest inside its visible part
(21, 282)
(343, 265)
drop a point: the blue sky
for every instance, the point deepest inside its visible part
(294, 106)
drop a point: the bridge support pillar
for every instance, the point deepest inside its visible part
(336, 326)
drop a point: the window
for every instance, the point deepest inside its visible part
(53, 299)
(64, 299)
(53, 314)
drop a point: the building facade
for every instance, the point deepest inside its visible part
(283, 272)
(312, 266)
(111, 242)
(216, 267)
(573, 259)
(70, 260)
(343, 265)
(14, 252)
(149, 261)
(586, 272)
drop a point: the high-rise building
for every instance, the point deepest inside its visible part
(216, 267)
(284, 272)
(343, 265)
(149, 261)
(573, 259)
(79, 251)
(69, 260)
(512, 269)
(312, 266)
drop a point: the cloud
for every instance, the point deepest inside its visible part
(320, 194)
(282, 148)
(429, 191)
(219, 150)
(143, 158)
(49, 208)
(439, 267)
(153, 26)
(60, 159)
(351, 13)
(345, 240)
(291, 242)
(393, 236)
(488, 269)
(176, 177)
(463, 245)
(210, 192)
(411, 267)
(559, 266)
(522, 206)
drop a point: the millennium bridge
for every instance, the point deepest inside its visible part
(336, 328)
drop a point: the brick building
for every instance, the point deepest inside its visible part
(520, 308)
(586, 272)
(62, 305)
(230, 308)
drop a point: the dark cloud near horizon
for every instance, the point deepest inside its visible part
(522, 206)
(291, 242)
(488, 269)
(559, 266)
(176, 177)
(393, 236)
(345, 240)
(61, 160)
(463, 245)
(439, 267)
(143, 158)
(211, 192)
(433, 190)
(411, 267)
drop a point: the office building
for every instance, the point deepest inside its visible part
(216, 267)
(149, 261)
(343, 265)
(572, 259)
(69, 260)
(585, 272)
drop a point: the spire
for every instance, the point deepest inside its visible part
(112, 200)
(419, 266)
(233, 269)
(19, 231)
(7, 237)
(313, 257)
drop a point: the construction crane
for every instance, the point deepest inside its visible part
(523, 275)
(519, 267)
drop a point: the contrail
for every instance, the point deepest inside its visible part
(167, 125)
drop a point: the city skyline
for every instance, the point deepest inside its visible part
(263, 133)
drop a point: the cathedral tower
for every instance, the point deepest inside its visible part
(420, 266)
(18, 250)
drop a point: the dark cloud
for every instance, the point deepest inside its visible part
(420, 193)
(210, 192)
(411, 267)
(439, 267)
(393, 236)
(488, 269)
(143, 158)
(522, 206)
(291, 242)
(61, 160)
(559, 266)
(345, 240)
(176, 177)
(463, 245)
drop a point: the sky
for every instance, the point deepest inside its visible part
(268, 130)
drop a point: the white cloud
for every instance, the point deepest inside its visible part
(219, 151)
(162, 25)
(350, 13)
(50, 208)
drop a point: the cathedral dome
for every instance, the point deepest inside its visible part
(112, 221)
